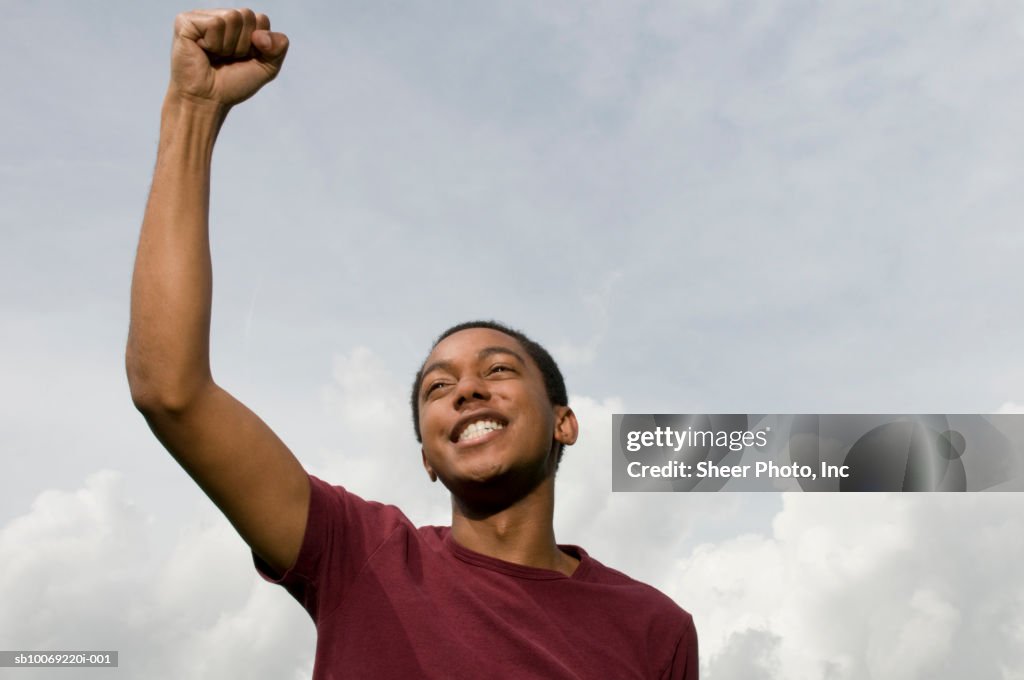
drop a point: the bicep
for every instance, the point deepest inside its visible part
(245, 469)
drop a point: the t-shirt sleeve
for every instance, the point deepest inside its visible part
(684, 664)
(342, 532)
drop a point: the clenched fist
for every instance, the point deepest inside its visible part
(224, 56)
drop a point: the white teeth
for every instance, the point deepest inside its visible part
(479, 429)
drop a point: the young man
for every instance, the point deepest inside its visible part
(491, 596)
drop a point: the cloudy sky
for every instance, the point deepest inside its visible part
(710, 206)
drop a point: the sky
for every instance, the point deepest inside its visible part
(702, 207)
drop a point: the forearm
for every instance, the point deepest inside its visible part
(168, 342)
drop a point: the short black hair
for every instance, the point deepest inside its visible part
(554, 383)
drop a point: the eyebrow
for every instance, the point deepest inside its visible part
(482, 354)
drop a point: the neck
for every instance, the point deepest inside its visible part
(522, 532)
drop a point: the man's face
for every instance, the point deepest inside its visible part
(485, 416)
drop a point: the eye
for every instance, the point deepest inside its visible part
(500, 368)
(433, 387)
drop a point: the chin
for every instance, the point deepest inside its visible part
(482, 474)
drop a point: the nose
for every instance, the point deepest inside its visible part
(470, 388)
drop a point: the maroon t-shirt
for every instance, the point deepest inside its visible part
(394, 601)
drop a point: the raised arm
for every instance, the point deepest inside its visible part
(219, 59)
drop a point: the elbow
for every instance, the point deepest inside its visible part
(149, 400)
(155, 397)
(152, 402)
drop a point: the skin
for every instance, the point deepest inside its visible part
(502, 486)
(218, 59)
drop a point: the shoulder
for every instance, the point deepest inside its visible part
(332, 499)
(348, 527)
(631, 592)
(650, 619)
(598, 572)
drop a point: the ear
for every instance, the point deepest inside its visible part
(566, 427)
(426, 466)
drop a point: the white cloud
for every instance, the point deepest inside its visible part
(912, 638)
(84, 569)
(748, 655)
(890, 587)
(66, 563)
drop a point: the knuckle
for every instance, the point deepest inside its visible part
(230, 17)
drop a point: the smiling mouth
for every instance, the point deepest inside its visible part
(479, 430)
